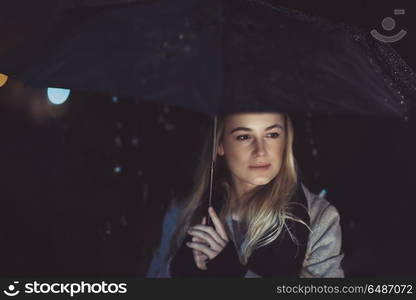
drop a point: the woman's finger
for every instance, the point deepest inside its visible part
(206, 238)
(204, 249)
(217, 223)
(198, 240)
(212, 232)
(199, 255)
(200, 259)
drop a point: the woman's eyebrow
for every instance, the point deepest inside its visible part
(249, 129)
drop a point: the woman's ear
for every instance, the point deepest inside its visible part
(220, 149)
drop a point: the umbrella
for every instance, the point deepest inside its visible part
(217, 57)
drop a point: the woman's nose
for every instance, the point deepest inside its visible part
(260, 148)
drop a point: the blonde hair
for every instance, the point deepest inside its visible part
(266, 207)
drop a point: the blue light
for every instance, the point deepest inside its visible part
(58, 96)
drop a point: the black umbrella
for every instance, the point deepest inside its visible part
(217, 57)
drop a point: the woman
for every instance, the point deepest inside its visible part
(264, 221)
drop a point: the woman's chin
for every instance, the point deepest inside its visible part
(261, 180)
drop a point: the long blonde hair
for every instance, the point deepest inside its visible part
(266, 207)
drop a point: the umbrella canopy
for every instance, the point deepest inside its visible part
(217, 56)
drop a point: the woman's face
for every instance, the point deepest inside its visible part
(249, 140)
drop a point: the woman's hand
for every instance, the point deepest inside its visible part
(207, 242)
(199, 257)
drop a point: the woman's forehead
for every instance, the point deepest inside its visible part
(254, 120)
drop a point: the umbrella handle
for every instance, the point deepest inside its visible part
(213, 158)
(209, 222)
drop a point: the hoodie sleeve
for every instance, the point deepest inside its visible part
(159, 265)
(324, 253)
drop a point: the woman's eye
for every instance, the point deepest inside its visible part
(246, 137)
(274, 134)
(242, 137)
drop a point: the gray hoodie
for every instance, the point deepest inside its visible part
(323, 253)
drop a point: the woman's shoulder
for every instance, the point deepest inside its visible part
(319, 208)
(324, 254)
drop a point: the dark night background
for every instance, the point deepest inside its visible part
(84, 185)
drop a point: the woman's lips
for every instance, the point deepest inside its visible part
(262, 167)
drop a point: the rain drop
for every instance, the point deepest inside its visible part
(145, 193)
(351, 224)
(166, 109)
(123, 220)
(134, 141)
(108, 228)
(169, 126)
(117, 141)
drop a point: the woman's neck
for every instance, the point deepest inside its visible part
(235, 204)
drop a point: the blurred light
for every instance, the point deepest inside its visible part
(3, 79)
(58, 96)
(114, 99)
(135, 141)
(117, 169)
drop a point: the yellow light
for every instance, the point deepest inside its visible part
(3, 79)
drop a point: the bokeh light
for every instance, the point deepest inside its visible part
(3, 79)
(58, 96)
